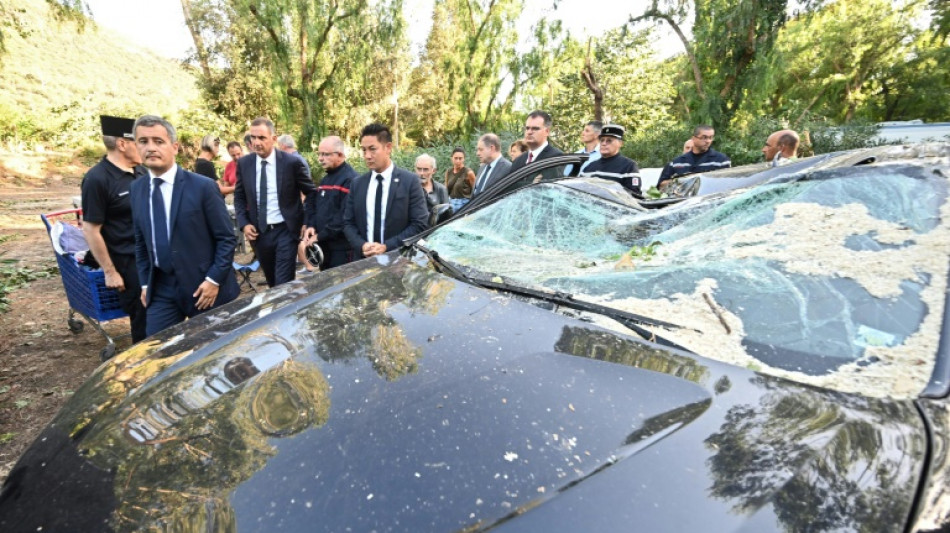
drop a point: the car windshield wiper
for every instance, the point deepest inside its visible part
(632, 321)
(443, 266)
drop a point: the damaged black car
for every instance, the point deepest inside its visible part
(557, 357)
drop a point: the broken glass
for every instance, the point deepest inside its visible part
(836, 280)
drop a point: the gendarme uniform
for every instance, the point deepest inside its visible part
(690, 163)
(617, 168)
(106, 201)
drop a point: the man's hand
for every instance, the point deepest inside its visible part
(114, 280)
(373, 248)
(250, 232)
(142, 297)
(309, 235)
(206, 294)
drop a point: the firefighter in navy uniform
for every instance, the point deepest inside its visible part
(326, 224)
(107, 216)
(612, 165)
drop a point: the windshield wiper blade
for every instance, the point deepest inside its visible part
(632, 321)
(443, 266)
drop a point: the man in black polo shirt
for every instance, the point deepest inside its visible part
(700, 158)
(612, 165)
(107, 216)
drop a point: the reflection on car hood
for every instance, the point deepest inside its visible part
(384, 396)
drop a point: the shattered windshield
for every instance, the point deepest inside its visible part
(837, 280)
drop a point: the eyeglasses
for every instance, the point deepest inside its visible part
(422, 169)
(327, 154)
(532, 128)
(705, 137)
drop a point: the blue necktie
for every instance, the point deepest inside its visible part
(160, 227)
(378, 211)
(262, 200)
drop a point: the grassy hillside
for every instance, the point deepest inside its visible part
(57, 78)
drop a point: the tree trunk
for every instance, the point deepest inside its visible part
(200, 49)
(690, 55)
(591, 80)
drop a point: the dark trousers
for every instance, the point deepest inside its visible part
(277, 252)
(335, 258)
(130, 299)
(169, 305)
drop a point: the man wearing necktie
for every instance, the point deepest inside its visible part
(184, 241)
(387, 204)
(267, 202)
(494, 165)
(537, 127)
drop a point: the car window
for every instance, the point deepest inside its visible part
(837, 280)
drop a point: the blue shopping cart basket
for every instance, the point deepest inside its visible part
(86, 289)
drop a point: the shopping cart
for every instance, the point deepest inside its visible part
(85, 289)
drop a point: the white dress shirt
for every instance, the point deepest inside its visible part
(371, 201)
(168, 184)
(536, 152)
(273, 207)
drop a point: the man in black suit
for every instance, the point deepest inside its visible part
(386, 205)
(267, 202)
(494, 165)
(536, 130)
(184, 241)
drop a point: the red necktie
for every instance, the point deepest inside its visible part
(530, 156)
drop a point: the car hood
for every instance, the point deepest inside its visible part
(384, 396)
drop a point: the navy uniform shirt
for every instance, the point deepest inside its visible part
(326, 207)
(617, 168)
(690, 163)
(105, 200)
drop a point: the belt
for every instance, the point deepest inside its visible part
(270, 227)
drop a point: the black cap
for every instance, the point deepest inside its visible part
(117, 126)
(612, 130)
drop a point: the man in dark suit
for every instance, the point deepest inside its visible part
(184, 241)
(386, 205)
(536, 130)
(494, 165)
(267, 202)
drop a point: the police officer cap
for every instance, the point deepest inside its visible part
(117, 126)
(612, 130)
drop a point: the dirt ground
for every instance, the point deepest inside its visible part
(41, 361)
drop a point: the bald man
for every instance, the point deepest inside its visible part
(781, 148)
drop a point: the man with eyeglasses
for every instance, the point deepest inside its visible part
(267, 202)
(536, 130)
(325, 208)
(701, 158)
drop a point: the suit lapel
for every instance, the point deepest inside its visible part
(393, 183)
(179, 186)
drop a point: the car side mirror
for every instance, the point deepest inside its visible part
(440, 213)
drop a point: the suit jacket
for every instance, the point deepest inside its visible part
(502, 168)
(522, 160)
(201, 236)
(293, 178)
(407, 213)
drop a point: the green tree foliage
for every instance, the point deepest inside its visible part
(59, 75)
(638, 87)
(850, 59)
(457, 87)
(313, 62)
